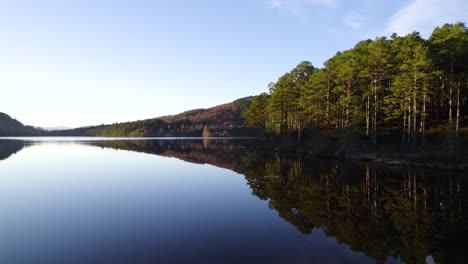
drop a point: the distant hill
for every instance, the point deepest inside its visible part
(11, 127)
(222, 120)
(225, 115)
(54, 128)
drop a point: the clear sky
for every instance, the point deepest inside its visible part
(76, 63)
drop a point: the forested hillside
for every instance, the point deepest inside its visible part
(222, 116)
(222, 120)
(404, 87)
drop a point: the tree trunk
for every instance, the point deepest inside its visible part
(409, 124)
(368, 116)
(415, 120)
(457, 126)
(450, 105)
(423, 120)
(317, 110)
(374, 126)
(403, 138)
(348, 106)
(328, 109)
(299, 134)
(328, 103)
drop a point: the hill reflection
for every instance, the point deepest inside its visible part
(217, 152)
(10, 147)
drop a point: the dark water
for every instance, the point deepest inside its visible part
(218, 201)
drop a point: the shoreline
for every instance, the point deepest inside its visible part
(390, 159)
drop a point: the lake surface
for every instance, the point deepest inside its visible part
(80, 200)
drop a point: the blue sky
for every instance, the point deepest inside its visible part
(76, 63)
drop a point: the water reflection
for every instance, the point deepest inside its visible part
(218, 152)
(10, 147)
(405, 214)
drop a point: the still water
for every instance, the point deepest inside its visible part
(219, 201)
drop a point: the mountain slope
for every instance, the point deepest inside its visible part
(12, 127)
(225, 115)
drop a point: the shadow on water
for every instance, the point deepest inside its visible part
(409, 214)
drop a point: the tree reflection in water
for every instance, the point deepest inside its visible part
(406, 213)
